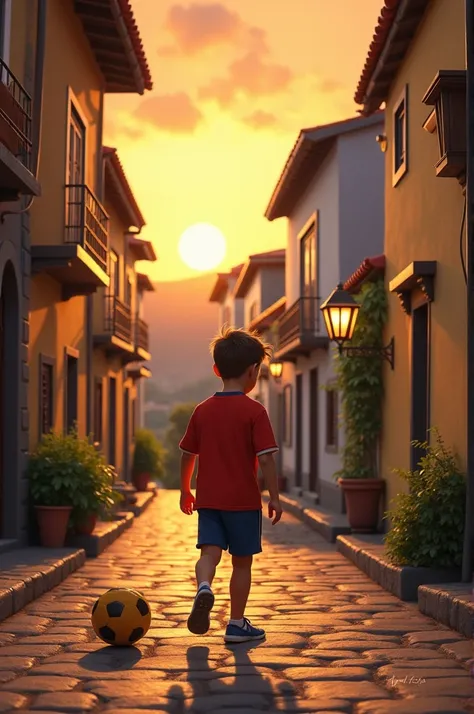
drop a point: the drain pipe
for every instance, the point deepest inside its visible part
(41, 22)
(467, 561)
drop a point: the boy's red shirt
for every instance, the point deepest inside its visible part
(227, 432)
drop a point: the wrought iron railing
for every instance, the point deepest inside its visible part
(118, 318)
(87, 223)
(141, 334)
(301, 320)
(16, 116)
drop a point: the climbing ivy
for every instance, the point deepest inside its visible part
(360, 382)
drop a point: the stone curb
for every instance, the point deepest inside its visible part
(104, 535)
(317, 520)
(452, 605)
(144, 499)
(17, 590)
(402, 581)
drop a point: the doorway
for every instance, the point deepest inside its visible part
(126, 434)
(313, 430)
(299, 431)
(71, 369)
(420, 381)
(112, 420)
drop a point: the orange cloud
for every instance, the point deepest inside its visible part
(197, 27)
(251, 76)
(175, 113)
(260, 119)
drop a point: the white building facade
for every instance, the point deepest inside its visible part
(332, 193)
(230, 310)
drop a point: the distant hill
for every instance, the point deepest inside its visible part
(182, 321)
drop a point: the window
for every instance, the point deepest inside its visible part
(253, 311)
(46, 395)
(420, 380)
(134, 416)
(114, 286)
(331, 419)
(5, 30)
(287, 415)
(308, 258)
(128, 290)
(400, 139)
(98, 404)
(76, 152)
(71, 370)
(112, 420)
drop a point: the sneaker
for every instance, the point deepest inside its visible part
(246, 633)
(199, 620)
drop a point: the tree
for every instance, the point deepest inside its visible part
(178, 421)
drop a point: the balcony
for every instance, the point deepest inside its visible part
(142, 342)
(117, 334)
(80, 262)
(16, 146)
(301, 330)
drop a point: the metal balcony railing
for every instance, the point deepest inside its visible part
(15, 116)
(87, 223)
(118, 318)
(141, 334)
(301, 320)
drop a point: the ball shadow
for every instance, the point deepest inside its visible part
(111, 657)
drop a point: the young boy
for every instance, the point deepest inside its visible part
(228, 433)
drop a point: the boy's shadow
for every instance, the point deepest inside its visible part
(244, 681)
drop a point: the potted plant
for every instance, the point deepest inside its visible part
(147, 459)
(70, 484)
(427, 522)
(360, 381)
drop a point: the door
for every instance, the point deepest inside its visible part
(2, 409)
(112, 420)
(309, 276)
(126, 434)
(313, 430)
(71, 391)
(420, 372)
(299, 430)
(75, 178)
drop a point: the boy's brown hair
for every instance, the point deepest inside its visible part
(236, 349)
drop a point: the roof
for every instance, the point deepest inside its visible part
(222, 283)
(144, 283)
(119, 190)
(115, 40)
(308, 154)
(270, 259)
(369, 269)
(397, 24)
(266, 318)
(143, 249)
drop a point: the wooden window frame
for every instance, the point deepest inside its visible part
(399, 171)
(288, 415)
(44, 360)
(332, 394)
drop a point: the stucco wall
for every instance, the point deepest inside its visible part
(423, 220)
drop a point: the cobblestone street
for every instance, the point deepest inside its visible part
(336, 642)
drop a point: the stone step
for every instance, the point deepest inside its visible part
(327, 523)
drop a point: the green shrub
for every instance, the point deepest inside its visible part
(428, 521)
(64, 470)
(148, 454)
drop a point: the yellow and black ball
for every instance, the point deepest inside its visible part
(121, 617)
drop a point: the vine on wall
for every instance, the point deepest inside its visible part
(360, 381)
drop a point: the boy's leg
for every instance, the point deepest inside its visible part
(207, 564)
(244, 533)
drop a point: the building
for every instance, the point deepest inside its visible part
(261, 287)
(53, 249)
(231, 310)
(120, 335)
(411, 67)
(331, 193)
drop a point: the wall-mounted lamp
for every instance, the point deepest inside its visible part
(382, 141)
(340, 312)
(276, 370)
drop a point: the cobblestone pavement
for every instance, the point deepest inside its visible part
(336, 642)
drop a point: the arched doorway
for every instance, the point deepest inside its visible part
(9, 404)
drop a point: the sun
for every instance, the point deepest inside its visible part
(202, 246)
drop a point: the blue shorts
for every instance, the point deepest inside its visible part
(238, 531)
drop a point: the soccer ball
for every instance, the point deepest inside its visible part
(121, 617)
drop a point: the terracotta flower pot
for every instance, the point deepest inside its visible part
(53, 522)
(362, 498)
(141, 481)
(87, 525)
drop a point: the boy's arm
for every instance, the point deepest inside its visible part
(187, 468)
(268, 466)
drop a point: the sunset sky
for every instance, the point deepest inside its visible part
(234, 82)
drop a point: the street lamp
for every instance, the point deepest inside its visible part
(340, 312)
(276, 370)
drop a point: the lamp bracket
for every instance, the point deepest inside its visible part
(387, 353)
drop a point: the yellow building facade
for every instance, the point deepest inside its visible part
(424, 238)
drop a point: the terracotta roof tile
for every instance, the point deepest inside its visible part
(129, 19)
(368, 268)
